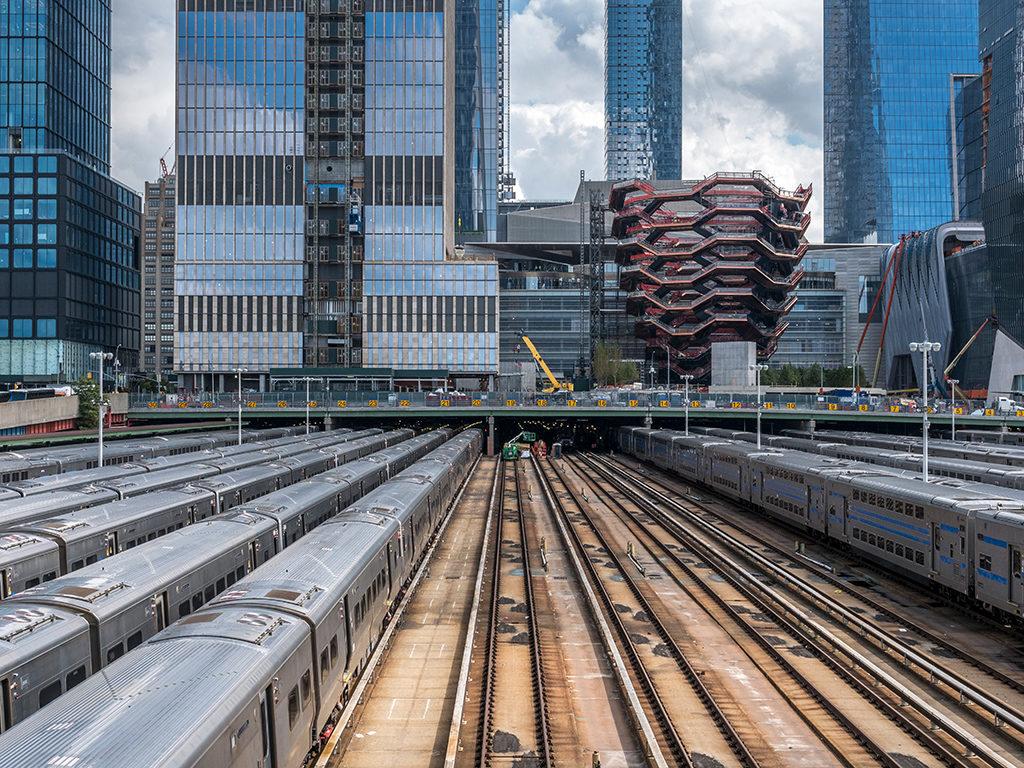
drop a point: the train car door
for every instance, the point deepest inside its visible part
(112, 543)
(5, 583)
(6, 705)
(160, 611)
(1016, 579)
(266, 731)
(253, 562)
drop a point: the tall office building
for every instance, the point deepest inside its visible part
(69, 234)
(888, 67)
(319, 172)
(1002, 200)
(643, 89)
(157, 354)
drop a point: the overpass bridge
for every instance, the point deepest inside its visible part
(507, 411)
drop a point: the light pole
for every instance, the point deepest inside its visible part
(856, 392)
(686, 394)
(668, 369)
(952, 408)
(757, 378)
(307, 404)
(101, 357)
(924, 347)
(238, 373)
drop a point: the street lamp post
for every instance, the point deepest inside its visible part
(238, 373)
(686, 394)
(101, 357)
(856, 392)
(952, 408)
(757, 378)
(924, 347)
(307, 404)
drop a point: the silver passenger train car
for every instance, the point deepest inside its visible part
(288, 641)
(965, 537)
(1006, 455)
(124, 600)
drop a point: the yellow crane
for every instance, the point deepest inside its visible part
(556, 385)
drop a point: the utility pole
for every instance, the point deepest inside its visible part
(924, 347)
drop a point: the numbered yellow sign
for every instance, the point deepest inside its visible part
(602, 403)
(634, 403)
(207, 404)
(477, 403)
(862, 407)
(736, 405)
(958, 411)
(403, 403)
(446, 403)
(372, 404)
(1020, 414)
(769, 405)
(990, 412)
(312, 403)
(571, 403)
(510, 403)
(833, 407)
(542, 403)
(282, 404)
(151, 404)
(894, 409)
(695, 403)
(343, 403)
(251, 404)
(663, 403)
(791, 406)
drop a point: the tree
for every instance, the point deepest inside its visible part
(88, 403)
(609, 367)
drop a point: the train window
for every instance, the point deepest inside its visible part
(209, 594)
(91, 559)
(1016, 565)
(239, 572)
(75, 677)
(920, 513)
(115, 652)
(220, 585)
(162, 532)
(324, 666)
(919, 558)
(899, 550)
(334, 650)
(888, 545)
(184, 609)
(293, 706)
(130, 545)
(32, 583)
(134, 641)
(77, 564)
(197, 602)
(307, 687)
(871, 539)
(985, 562)
(151, 536)
(50, 576)
(963, 545)
(49, 693)
(231, 578)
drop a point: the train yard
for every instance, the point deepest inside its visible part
(681, 601)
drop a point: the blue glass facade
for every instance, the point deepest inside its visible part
(476, 118)
(55, 77)
(421, 310)
(643, 89)
(888, 68)
(239, 265)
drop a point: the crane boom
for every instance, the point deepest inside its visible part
(556, 385)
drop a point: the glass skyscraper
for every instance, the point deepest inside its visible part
(424, 306)
(643, 89)
(240, 143)
(323, 181)
(69, 234)
(888, 68)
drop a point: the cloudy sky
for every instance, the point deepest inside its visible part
(752, 91)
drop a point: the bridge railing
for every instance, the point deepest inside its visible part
(628, 400)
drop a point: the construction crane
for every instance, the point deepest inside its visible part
(991, 319)
(164, 173)
(555, 385)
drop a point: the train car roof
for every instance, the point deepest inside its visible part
(240, 477)
(311, 577)
(159, 705)
(23, 510)
(77, 479)
(27, 631)
(109, 586)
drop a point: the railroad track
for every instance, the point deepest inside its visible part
(720, 511)
(975, 730)
(512, 644)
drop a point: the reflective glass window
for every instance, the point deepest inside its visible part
(22, 327)
(22, 258)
